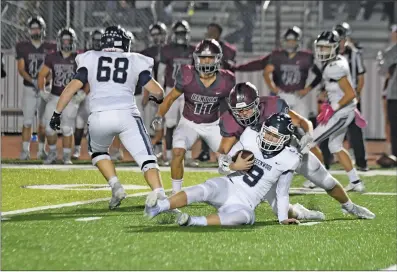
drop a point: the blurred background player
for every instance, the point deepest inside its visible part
(3, 71)
(204, 86)
(158, 35)
(335, 117)
(83, 112)
(30, 57)
(173, 55)
(62, 67)
(214, 31)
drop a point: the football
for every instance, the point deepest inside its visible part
(244, 154)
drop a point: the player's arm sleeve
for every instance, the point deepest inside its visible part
(254, 65)
(318, 76)
(19, 52)
(282, 106)
(179, 82)
(282, 195)
(82, 75)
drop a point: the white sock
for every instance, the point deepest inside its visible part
(169, 155)
(198, 221)
(41, 147)
(188, 155)
(164, 204)
(177, 185)
(353, 176)
(26, 146)
(112, 181)
(66, 152)
(348, 205)
(53, 148)
(161, 192)
(77, 147)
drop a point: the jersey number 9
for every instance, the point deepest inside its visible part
(119, 74)
(252, 177)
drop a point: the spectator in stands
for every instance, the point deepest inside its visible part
(388, 9)
(145, 18)
(248, 17)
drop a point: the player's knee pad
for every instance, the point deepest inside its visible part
(198, 193)
(149, 164)
(99, 156)
(335, 147)
(240, 217)
(49, 131)
(322, 178)
(67, 131)
(171, 122)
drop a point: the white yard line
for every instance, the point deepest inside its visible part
(71, 204)
(391, 268)
(371, 173)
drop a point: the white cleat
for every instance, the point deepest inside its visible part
(307, 214)
(76, 154)
(183, 219)
(355, 187)
(191, 163)
(67, 162)
(151, 208)
(25, 155)
(308, 184)
(51, 158)
(118, 194)
(360, 212)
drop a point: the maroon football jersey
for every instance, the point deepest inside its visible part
(173, 56)
(268, 105)
(34, 57)
(153, 52)
(228, 51)
(62, 69)
(290, 74)
(202, 104)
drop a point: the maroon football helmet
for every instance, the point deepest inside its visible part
(243, 98)
(208, 48)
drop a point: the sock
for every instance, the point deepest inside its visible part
(53, 148)
(169, 154)
(177, 185)
(353, 176)
(77, 147)
(348, 205)
(197, 221)
(188, 155)
(163, 204)
(66, 152)
(388, 148)
(41, 147)
(161, 192)
(26, 146)
(112, 181)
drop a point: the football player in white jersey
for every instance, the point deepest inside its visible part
(237, 195)
(339, 112)
(112, 75)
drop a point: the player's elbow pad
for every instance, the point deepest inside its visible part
(144, 78)
(82, 75)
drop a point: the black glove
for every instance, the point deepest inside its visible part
(55, 122)
(155, 99)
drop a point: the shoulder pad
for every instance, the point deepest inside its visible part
(187, 73)
(289, 159)
(336, 70)
(80, 57)
(145, 63)
(229, 126)
(227, 73)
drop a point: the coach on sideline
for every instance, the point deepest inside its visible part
(353, 55)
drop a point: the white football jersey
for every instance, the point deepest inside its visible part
(113, 77)
(265, 172)
(333, 72)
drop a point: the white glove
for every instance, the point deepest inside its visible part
(306, 143)
(224, 162)
(45, 95)
(157, 123)
(79, 97)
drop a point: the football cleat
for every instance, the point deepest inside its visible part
(118, 194)
(356, 187)
(360, 212)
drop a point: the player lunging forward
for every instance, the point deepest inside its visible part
(204, 86)
(247, 109)
(237, 195)
(336, 116)
(113, 74)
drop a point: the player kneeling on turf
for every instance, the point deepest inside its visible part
(265, 173)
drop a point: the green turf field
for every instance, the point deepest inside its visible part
(124, 240)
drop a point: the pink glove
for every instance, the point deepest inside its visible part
(325, 114)
(359, 119)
